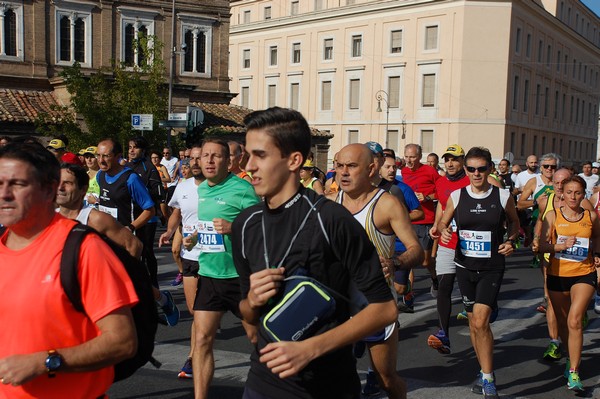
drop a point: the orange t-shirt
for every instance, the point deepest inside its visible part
(576, 261)
(36, 315)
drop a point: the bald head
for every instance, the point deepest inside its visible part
(355, 167)
(559, 176)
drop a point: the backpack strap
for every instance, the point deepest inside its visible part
(69, 262)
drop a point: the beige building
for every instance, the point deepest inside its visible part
(518, 76)
(39, 38)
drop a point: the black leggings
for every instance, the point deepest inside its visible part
(444, 300)
(146, 235)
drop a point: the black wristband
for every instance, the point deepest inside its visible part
(131, 227)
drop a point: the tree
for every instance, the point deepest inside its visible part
(106, 98)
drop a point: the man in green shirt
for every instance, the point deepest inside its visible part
(221, 197)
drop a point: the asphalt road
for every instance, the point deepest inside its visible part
(520, 340)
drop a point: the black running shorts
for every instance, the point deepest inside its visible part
(479, 286)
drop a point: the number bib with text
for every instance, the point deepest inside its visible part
(476, 244)
(577, 253)
(208, 239)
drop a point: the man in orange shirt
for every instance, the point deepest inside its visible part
(51, 350)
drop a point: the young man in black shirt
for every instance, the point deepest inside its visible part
(270, 240)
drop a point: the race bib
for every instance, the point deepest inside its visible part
(187, 230)
(208, 239)
(577, 253)
(114, 212)
(475, 244)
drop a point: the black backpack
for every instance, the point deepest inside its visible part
(145, 315)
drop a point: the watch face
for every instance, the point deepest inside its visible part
(53, 362)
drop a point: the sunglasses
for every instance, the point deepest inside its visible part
(553, 167)
(481, 169)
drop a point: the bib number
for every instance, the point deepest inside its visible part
(475, 244)
(114, 212)
(208, 239)
(577, 253)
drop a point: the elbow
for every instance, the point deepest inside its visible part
(129, 348)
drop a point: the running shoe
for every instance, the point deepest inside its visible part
(488, 389)
(170, 310)
(186, 370)
(434, 287)
(178, 280)
(406, 303)
(462, 315)
(597, 303)
(574, 383)
(552, 352)
(371, 386)
(478, 384)
(535, 262)
(440, 342)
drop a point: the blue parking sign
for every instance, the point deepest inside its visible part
(136, 120)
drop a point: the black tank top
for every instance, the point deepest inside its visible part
(116, 200)
(480, 224)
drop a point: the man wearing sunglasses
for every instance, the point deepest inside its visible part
(479, 211)
(540, 185)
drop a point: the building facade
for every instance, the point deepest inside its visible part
(511, 75)
(40, 38)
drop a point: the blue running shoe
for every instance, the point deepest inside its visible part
(478, 384)
(371, 386)
(462, 315)
(178, 280)
(170, 310)
(489, 389)
(574, 383)
(440, 342)
(186, 370)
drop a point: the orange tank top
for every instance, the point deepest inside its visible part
(577, 260)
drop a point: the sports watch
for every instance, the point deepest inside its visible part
(53, 363)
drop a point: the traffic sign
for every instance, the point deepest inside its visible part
(142, 121)
(178, 116)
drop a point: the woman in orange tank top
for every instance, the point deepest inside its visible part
(571, 234)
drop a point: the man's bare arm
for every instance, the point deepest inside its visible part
(107, 225)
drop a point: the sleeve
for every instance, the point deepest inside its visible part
(174, 202)
(455, 195)
(412, 202)
(139, 192)
(351, 245)
(105, 284)
(504, 194)
(241, 263)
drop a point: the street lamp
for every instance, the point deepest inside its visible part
(380, 96)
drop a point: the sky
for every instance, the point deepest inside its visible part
(593, 5)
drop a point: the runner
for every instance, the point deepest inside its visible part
(480, 211)
(570, 234)
(331, 245)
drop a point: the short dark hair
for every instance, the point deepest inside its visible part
(81, 176)
(479, 152)
(587, 163)
(389, 153)
(140, 142)
(288, 129)
(220, 142)
(238, 147)
(117, 148)
(433, 154)
(507, 161)
(45, 164)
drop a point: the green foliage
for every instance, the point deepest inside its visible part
(106, 98)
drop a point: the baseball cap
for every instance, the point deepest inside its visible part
(375, 147)
(595, 164)
(455, 150)
(91, 150)
(56, 144)
(308, 164)
(81, 152)
(185, 162)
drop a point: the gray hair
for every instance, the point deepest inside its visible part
(551, 156)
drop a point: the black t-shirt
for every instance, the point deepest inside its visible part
(335, 249)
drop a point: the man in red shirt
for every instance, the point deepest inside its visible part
(422, 178)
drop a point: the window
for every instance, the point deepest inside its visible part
(350, 2)
(296, 53)
(294, 7)
(136, 27)
(73, 33)
(535, 143)
(268, 12)
(548, 55)
(354, 97)
(271, 96)
(427, 141)
(526, 96)
(328, 49)
(319, 5)
(353, 137)
(558, 61)
(197, 42)
(356, 45)
(537, 99)
(9, 37)
(518, 41)
(294, 95)
(556, 104)
(543, 150)
(247, 16)
(246, 58)
(428, 94)
(523, 144)
(512, 142)
(273, 56)
(516, 94)
(540, 51)
(431, 37)
(245, 97)
(11, 30)
(396, 42)
(392, 140)
(528, 46)
(546, 101)
(326, 95)
(394, 91)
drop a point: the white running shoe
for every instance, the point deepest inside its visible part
(597, 304)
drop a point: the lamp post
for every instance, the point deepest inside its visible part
(172, 70)
(380, 96)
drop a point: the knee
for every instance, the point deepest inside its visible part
(479, 324)
(574, 322)
(176, 251)
(202, 338)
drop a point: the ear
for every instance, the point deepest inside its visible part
(372, 169)
(295, 161)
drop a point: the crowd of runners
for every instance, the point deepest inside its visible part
(317, 265)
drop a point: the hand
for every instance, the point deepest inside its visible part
(420, 196)
(433, 232)
(568, 243)
(18, 369)
(596, 261)
(446, 235)
(91, 199)
(506, 249)
(535, 245)
(264, 285)
(165, 238)
(287, 358)
(222, 226)
(387, 266)
(190, 241)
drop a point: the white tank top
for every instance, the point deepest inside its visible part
(84, 215)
